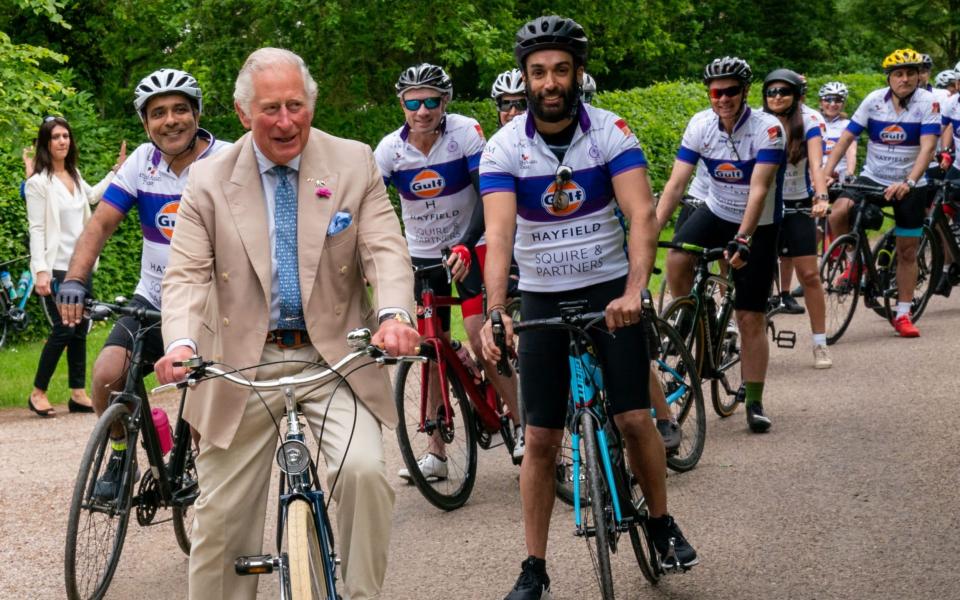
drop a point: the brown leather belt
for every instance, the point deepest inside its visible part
(288, 338)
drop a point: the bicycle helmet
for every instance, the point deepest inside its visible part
(551, 33)
(425, 75)
(589, 88)
(901, 58)
(792, 79)
(926, 62)
(728, 67)
(166, 81)
(945, 78)
(508, 82)
(834, 88)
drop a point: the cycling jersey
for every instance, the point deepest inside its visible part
(700, 186)
(951, 116)
(437, 196)
(582, 242)
(796, 178)
(757, 138)
(146, 181)
(894, 137)
(835, 128)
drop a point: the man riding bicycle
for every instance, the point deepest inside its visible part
(570, 245)
(169, 103)
(903, 122)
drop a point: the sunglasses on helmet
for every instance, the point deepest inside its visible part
(505, 105)
(729, 92)
(431, 103)
(778, 91)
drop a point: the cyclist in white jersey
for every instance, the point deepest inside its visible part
(947, 80)
(571, 246)
(833, 98)
(903, 122)
(169, 103)
(949, 144)
(743, 151)
(432, 161)
(508, 93)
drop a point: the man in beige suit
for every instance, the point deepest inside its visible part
(232, 294)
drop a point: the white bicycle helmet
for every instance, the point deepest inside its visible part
(166, 81)
(945, 78)
(834, 88)
(589, 88)
(508, 82)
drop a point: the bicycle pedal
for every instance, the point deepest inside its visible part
(786, 339)
(263, 564)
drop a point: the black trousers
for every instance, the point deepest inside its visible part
(73, 339)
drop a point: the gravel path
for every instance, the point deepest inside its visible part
(853, 494)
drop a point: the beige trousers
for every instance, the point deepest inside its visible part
(230, 512)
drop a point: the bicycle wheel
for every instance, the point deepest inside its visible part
(564, 470)
(451, 488)
(884, 261)
(4, 310)
(597, 517)
(677, 376)
(664, 297)
(97, 527)
(308, 579)
(841, 294)
(681, 315)
(929, 269)
(186, 490)
(725, 386)
(640, 540)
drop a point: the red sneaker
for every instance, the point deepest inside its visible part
(905, 327)
(850, 275)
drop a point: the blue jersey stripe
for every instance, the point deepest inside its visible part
(473, 162)
(855, 128)
(632, 158)
(687, 155)
(455, 175)
(590, 190)
(771, 156)
(497, 182)
(894, 134)
(118, 198)
(730, 171)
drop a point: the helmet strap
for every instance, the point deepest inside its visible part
(188, 149)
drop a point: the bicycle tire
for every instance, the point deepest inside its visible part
(83, 580)
(677, 369)
(929, 270)
(564, 472)
(452, 491)
(640, 540)
(840, 298)
(680, 314)
(185, 479)
(597, 512)
(308, 580)
(4, 321)
(884, 252)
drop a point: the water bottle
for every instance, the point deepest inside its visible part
(464, 355)
(8, 285)
(161, 424)
(23, 285)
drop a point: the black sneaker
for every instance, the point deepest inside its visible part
(533, 583)
(944, 286)
(757, 421)
(108, 485)
(673, 549)
(790, 305)
(797, 292)
(671, 434)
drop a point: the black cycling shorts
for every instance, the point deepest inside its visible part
(126, 327)
(440, 286)
(909, 213)
(544, 366)
(798, 232)
(753, 280)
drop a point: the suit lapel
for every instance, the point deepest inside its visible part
(313, 212)
(244, 193)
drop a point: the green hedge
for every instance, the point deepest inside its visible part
(658, 115)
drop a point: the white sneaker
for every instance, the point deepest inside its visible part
(821, 357)
(518, 447)
(432, 467)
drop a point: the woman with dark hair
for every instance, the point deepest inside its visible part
(804, 186)
(58, 206)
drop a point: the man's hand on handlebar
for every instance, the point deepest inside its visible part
(70, 301)
(396, 338)
(623, 311)
(896, 191)
(165, 369)
(491, 351)
(459, 262)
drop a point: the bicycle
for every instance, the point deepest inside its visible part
(13, 313)
(609, 502)
(466, 414)
(947, 230)
(308, 569)
(97, 525)
(872, 271)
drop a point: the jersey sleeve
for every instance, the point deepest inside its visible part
(861, 118)
(473, 145)
(931, 124)
(496, 170)
(690, 143)
(382, 157)
(814, 126)
(122, 191)
(771, 143)
(623, 148)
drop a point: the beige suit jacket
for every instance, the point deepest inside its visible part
(216, 290)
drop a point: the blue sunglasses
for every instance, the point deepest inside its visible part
(430, 103)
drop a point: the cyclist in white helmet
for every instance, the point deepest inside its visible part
(509, 93)
(833, 99)
(168, 102)
(946, 80)
(588, 89)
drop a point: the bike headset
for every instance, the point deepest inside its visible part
(796, 83)
(730, 67)
(168, 81)
(902, 58)
(552, 32)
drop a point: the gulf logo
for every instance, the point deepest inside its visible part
(427, 184)
(571, 201)
(828, 146)
(166, 218)
(893, 134)
(728, 172)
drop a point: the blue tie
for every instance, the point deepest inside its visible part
(285, 220)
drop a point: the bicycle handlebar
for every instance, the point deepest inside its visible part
(101, 311)
(859, 187)
(708, 254)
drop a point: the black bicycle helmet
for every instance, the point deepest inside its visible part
(551, 33)
(728, 67)
(425, 75)
(786, 75)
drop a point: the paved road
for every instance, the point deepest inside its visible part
(853, 494)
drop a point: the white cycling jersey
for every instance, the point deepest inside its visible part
(943, 98)
(578, 245)
(146, 181)
(796, 177)
(700, 186)
(757, 138)
(437, 197)
(835, 129)
(951, 116)
(894, 142)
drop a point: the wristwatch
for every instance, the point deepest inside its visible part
(744, 238)
(911, 183)
(821, 198)
(400, 317)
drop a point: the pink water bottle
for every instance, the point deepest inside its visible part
(161, 425)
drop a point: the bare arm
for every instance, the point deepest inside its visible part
(500, 215)
(672, 191)
(814, 160)
(852, 158)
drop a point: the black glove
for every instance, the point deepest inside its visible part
(739, 244)
(72, 291)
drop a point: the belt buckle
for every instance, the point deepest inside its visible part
(289, 339)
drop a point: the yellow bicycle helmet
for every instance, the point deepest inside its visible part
(903, 57)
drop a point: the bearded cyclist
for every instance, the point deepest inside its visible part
(903, 122)
(584, 245)
(169, 103)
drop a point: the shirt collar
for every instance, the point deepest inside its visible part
(743, 119)
(530, 127)
(889, 95)
(264, 164)
(405, 130)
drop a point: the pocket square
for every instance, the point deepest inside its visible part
(340, 221)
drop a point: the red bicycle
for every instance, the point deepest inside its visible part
(446, 408)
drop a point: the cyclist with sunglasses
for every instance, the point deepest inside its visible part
(508, 93)
(833, 98)
(588, 90)
(903, 122)
(433, 161)
(742, 150)
(949, 144)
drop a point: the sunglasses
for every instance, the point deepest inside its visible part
(778, 91)
(506, 105)
(729, 92)
(831, 100)
(430, 103)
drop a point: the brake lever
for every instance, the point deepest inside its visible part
(648, 318)
(500, 339)
(444, 257)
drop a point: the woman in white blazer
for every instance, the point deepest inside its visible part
(58, 207)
